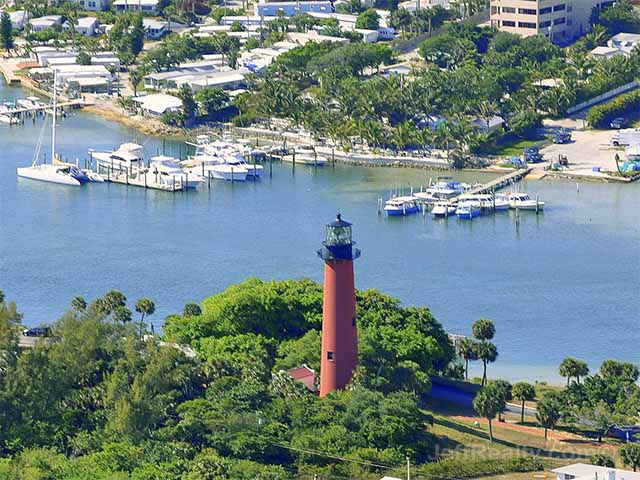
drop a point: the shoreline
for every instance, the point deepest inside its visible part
(106, 108)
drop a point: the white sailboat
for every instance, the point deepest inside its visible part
(62, 174)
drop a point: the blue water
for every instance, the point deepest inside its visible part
(564, 283)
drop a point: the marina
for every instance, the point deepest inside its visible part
(175, 247)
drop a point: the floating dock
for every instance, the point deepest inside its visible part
(497, 184)
(144, 180)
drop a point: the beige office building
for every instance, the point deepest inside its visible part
(560, 20)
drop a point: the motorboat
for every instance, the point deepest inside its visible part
(400, 206)
(62, 174)
(487, 202)
(224, 171)
(468, 210)
(127, 157)
(7, 117)
(306, 155)
(447, 189)
(443, 209)
(253, 170)
(166, 170)
(425, 198)
(522, 201)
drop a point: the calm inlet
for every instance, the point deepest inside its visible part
(565, 283)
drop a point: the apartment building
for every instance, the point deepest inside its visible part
(560, 20)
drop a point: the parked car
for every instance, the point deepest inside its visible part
(532, 155)
(37, 332)
(618, 123)
(562, 136)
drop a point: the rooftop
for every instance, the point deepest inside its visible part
(582, 471)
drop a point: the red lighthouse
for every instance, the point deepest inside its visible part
(339, 330)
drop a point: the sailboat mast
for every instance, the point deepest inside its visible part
(55, 109)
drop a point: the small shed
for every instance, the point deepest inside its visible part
(305, 375)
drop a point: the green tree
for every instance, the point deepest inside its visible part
(630, 455)
(136, 35)
(78, 304)
(572, 368)
(83, 58)
(523, 392)
(192, 310)
(620, 371)
(136, 75)
(145, 307)
(189, 105)
(467, 351)
(122, 314)
(368, 20)
(602, 460)
(483, 329)
(488, 403)
(111, 301)
(211, 100)
(601, 417)
(548, 412)
(6, 33)
(487, 352)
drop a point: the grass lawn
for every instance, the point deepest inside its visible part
(513, 148)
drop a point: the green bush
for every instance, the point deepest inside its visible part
(465, 467)
(600, 115)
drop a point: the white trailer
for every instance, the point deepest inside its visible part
(626, 137)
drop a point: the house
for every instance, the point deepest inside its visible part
(158, 104)
(44, 23)
(347, 21)
(225, 80)
(84, 78)
(144, 6)
(624, 41)
(18, 19)
(291, 9)
(605, 52)
(495, 123)
(93, 5)
(582, 471)
(155, 29)
(87, 26)
(304, 375)
(413, 5)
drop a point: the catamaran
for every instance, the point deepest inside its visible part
(63, 174)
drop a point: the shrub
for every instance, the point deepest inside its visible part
(600, 115)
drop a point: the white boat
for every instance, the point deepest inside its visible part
(6, 117)
(253, 170)
(167, 170)
(400, 206)
(487, 202)
(443, 209)
(223, 171)
(52, 173)
(128, 156)
(306, 155)
(632, 152)
(447, 189)
(425, 198)
(468, 210)
(522, 201)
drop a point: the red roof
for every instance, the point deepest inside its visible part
(305, 375)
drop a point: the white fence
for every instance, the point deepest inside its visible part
(605, 96)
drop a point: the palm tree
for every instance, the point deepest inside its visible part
(78, 304)
(483, 329)
(488, 353)
(489, 402)
(144, 306)
(467, 351)
(524, 392)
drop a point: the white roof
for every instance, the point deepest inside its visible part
(626, 37)
(146, 3)
(582, 471)
(153, 23)
(97, 70)
(89, 81)
(159, 102)
(605, 50)
(86, 22)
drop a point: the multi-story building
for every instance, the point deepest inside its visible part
(560, 20)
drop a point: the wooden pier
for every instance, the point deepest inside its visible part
(144, 180)
(498, 183)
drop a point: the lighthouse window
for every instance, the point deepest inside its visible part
(353, 322)
(329, 355)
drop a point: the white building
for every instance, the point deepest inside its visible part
(582, 471)
(18, 19)
(145, 6)
(624, 41)
(43, 23)
(413, 5)
(93, 5)
(290, 9)
(155, 29)
(87, 26)
(158, 104)
(560, 20)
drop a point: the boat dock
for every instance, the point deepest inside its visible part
(498, 183)
(177, 183)
(22, 112)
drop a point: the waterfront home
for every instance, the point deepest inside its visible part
(291, 9)
(225, 80)
(93, 5)
(348, 22)
(158, 104)
(144, 6)
(169, 80)
(582, 471)
(18, 19)
(41, 24)
(87, 26)
(155, 29)
(494, 124)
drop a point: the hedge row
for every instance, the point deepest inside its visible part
(465, 467)
(600, 115)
